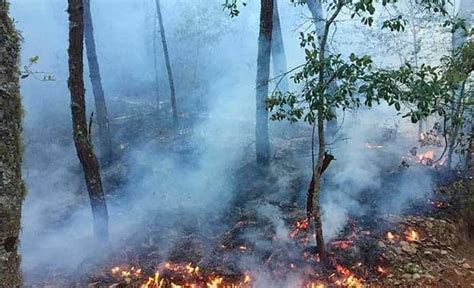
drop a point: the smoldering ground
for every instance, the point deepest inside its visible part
(186, 185)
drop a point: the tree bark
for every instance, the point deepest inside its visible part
(105, 139)
(314, 193)
(167, 61)
(11, 186)
(278, 51)
(263, 74)
(82, 141)
(316, 9)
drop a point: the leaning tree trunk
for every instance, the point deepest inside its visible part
(99, 98)
(11, 185)
(263, 74)
(82, 141)
(278, 51)
(167, 61)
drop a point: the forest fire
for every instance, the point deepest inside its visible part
(176, 275)
(184, 179)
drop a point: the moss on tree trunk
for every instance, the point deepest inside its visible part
(11, 186)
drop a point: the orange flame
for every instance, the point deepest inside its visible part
(315, 285)
(215, 282)
(426, 158)
(412, 235)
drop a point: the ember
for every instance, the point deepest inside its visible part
(437, 203)
(299, 226)
(381, 270)
(390, 236)
(412, 235)
(177, 276)
(342, 244)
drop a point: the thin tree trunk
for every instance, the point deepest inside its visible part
(415, 60)
(11, 185)
(155, 64)
(263, 74)
(278, 50)
(82, 141)
(313, 208)
(316, 9)
(105, 139)
(470, 149)
(455, 124)
(168, 64)
(315, 194)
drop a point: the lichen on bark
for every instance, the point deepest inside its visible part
(12, 189)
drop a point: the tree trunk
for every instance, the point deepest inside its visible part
(314, 191)
(11, 185)
(155, 64)
(456, 124)
(464, 12)
(458, 39)
(316, 9)
(82, 141)
(314, 194)
(263, 74)
(167, 61)
(470, 149)
(105, 139)
(278, 51)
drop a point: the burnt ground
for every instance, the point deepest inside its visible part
(254, 242)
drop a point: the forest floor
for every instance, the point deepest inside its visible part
(262, 238)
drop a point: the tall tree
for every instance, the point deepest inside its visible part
(94, 73)
(459, 37)
(278, 50)
(263, 74)
(11, 186)
(167, 61)
(82, 139)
